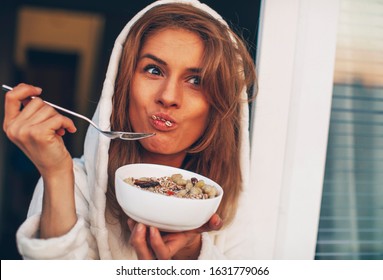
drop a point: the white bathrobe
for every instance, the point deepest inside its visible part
(92, 237)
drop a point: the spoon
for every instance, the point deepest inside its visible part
(111, 134)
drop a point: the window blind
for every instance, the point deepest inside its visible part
(351, 216)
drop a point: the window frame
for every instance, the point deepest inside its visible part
(290, 123)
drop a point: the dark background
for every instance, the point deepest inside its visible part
(19, 175)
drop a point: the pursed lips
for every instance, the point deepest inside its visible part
(165, 119)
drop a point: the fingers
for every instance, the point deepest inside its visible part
(131, 224)
(36, 110)
(41, 126)
(37, 115)
(215, 223)
(149, 243)
(171, 245)
(14, 99)
(37, 130)
(161, 250)
(57, 122)
(139, 242)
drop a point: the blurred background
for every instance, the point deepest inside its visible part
(351, 217)
(64, 48)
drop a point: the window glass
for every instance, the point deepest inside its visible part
(351, 217)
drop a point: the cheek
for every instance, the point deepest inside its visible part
(201, 119)
(204, 118)
(132, 105)
(135, 109)
(204, 111)
(139, 94)
(137, 117)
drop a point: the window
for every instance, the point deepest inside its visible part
(351, 217)
(296, 54)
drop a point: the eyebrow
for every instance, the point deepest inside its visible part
(162, 62)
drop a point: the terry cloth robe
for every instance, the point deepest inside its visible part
(92, 237)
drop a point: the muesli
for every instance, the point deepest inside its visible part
(175, 185)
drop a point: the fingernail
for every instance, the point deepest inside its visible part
(218, 222)
(152, 231)
(140, 227)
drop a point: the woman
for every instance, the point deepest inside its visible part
(176, 70)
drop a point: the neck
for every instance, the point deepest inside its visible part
(174, 160)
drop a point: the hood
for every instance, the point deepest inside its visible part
(96, 145)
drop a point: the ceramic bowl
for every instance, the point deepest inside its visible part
(167, 213)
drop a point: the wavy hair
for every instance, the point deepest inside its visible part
(228, 69)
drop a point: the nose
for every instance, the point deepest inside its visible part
(170, 95)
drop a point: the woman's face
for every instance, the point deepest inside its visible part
(166, 96)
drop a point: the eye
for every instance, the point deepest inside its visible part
(153, 69)
(195, 80)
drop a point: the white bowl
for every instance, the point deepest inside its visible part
(167, 213)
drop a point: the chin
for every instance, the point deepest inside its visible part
(162, 147)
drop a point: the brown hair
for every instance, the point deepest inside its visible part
(228, 69)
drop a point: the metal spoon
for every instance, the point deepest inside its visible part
(111, 134)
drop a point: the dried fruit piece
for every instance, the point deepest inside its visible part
(146, 184)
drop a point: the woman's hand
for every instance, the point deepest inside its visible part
(37, 130)
(149, 243)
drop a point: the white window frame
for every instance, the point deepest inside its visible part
(295, 65)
